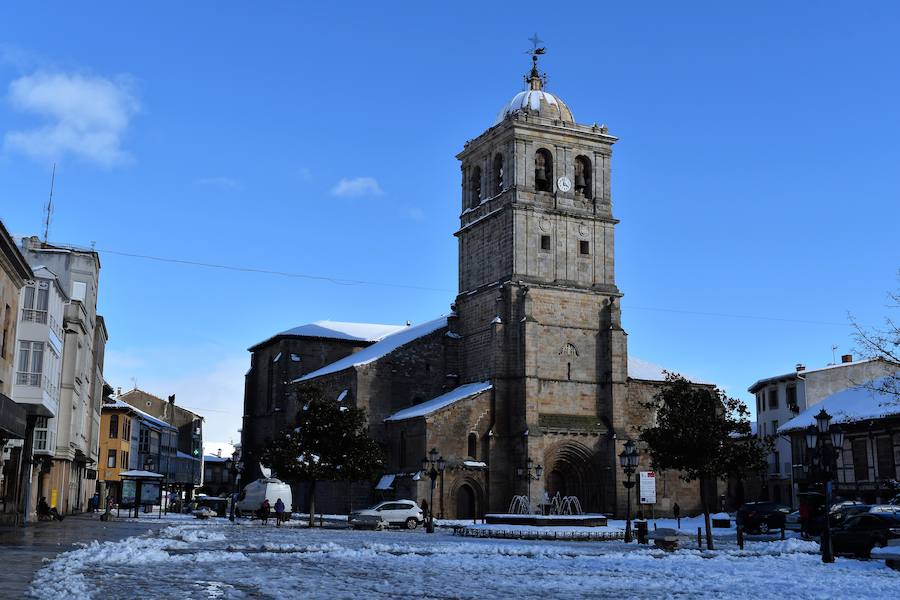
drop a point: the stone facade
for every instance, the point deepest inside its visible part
(536, 321)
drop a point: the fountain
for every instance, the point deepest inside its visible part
(520, 505)
(560, 510)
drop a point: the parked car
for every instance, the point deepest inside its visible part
(761, 517)
(885, 508)
(844, 512)
(253, 494)
(217, 506)
(792, 521)
(404, 513)
(860, 533)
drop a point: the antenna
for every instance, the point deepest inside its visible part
(833, 356)
(49, 205)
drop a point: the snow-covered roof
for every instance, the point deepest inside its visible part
(859, 403)
(212, 458)
(639, 368)
(137, 473)
(539, 101)
(387, 345)
(795, 374)
(455, 395)
(139, 413)
(339, 330)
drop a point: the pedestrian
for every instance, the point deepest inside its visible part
(279, 512)
(264, 509)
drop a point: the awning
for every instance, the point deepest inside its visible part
(385, 482)
(12, 419)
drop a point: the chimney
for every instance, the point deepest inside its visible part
(219, 453)
(118, 391)
(846, 358)
(172, 399)
(801, 367)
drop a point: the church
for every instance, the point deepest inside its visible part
(525, 386)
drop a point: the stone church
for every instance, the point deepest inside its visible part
(530, 365)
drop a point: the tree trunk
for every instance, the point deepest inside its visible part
(312, 503)
(705, 502)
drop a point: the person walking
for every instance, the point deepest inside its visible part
(264, 510)
(279, 512)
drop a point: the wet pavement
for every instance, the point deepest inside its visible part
(23, 549)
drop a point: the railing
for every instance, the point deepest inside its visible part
(34, 316)
(28, 379)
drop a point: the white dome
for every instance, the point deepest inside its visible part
(537, 102)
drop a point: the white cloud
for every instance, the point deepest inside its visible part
(358, 186)
(223, 183)
(86, 116)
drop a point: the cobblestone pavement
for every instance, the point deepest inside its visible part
(23, 549)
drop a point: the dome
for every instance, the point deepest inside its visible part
(537, 102)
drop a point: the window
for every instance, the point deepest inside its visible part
(498, 174)
(6, 324)
(760, 405)
(883, 451)
(473, 446)
(543, 170)
(34, 302)
(126, 457)
(545, 243)
(775, 427)
(126, 428)
(113, 426)
(776, 461)
(773, 399)
(144, 441)
(791, 399)
(31, 363)
(475, 187)
(208, 474)
(583, 176)
(41, 434)
(111, 459)
(860, 459)
(584, 247)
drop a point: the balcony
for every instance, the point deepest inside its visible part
(44, 441)
(32, 379)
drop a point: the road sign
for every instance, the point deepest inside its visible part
(648, 487)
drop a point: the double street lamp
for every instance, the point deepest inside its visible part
(824, 441)
(629, 460)
(433, 465)
(530, 473)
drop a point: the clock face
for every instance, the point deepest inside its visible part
(564, 184)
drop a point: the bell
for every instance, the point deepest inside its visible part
(540, 174)
(579, 182)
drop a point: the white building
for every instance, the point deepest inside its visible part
(782, 397)
(38, 369)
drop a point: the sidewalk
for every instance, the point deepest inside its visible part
(22, 549)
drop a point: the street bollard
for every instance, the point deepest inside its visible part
(740, 537)
(782, 533)
(700, 538)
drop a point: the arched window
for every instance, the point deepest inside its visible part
(475, 186)
(473, 446)
(498, 174)
(543, 170)
(583, 173)
(402, 458)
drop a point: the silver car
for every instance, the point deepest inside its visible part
(403, 513)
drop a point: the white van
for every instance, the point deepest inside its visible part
(253, 494)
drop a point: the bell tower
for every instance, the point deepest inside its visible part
(537, 310)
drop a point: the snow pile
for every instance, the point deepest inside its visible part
(385, 346)
(849, 406)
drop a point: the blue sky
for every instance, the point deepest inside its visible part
(755, 177)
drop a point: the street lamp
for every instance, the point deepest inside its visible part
(628, 459)
(433, 465)
(234, 466)
(824, 441)
(530, 473)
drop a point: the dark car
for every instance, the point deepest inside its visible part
(841, 513)
(761, 517)
(859, 534)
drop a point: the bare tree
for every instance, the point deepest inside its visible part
(884, 343)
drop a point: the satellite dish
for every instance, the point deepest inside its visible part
(266, 471)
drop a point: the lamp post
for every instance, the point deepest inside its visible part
(234, 466)
(433, 465)
(628, 459)
(823, 443)
(530, 473)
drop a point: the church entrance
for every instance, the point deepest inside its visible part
(574, 470)
(465, 502)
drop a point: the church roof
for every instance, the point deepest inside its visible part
(385, 346)
(444, 400)
(639, 368)
(338, 330)
(539, 102)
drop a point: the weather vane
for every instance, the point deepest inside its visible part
(536, 47)
(535, 80)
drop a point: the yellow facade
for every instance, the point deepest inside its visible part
(108, 470)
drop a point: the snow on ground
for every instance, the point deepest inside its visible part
(218, 559)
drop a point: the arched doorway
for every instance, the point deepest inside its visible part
(465, 502)
(575, 470)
